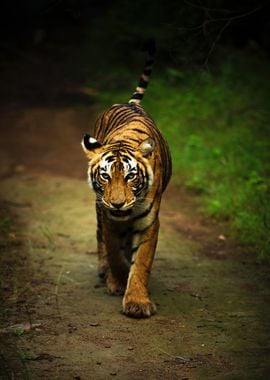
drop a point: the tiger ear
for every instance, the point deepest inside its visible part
(147, 146)
(90, 144)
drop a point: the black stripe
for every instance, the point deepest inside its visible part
(137, 95)
(110, 159)
(134, 249)
(143, 83)
(147, 72)
(115, 113)
(145, 213)
(123, 116)
(146, 228)
(121, 110)
(115, 120)
(139, 130)
(111, 131)
(127, 157)
(99, 125)
(145, 121)
(135, 140)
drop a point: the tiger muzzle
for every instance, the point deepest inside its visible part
(118, 204)
(118, 210)
(119, 213)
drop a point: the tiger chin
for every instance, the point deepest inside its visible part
(129, 169)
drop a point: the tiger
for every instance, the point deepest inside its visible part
(129, 169)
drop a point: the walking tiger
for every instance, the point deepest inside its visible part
(129, 169)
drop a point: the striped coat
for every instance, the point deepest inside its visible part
(129, 169)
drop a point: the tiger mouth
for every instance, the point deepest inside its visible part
(120, 212)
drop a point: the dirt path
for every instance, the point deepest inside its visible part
(57, 322)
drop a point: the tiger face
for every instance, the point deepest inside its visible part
(119, 175)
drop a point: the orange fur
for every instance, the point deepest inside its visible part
(129, 169)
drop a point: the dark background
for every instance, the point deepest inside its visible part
(50, 45)
(187, 32)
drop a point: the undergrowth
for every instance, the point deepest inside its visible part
(218, 128)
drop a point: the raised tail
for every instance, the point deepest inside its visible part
(144, 79)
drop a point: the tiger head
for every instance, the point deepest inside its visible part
(120, 174)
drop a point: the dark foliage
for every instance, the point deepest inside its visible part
(188, 31)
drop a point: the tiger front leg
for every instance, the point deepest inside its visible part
(103, 263)
(118, 267)
(136, 301)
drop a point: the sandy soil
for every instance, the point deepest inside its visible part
(57, 321)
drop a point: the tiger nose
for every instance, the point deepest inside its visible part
(118, 203)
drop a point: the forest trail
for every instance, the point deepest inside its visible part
(58, 322)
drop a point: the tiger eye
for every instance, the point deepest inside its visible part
(105, 176)
(130, 176)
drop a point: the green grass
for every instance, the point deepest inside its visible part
(217, 126)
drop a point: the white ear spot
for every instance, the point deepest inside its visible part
(92, 140)
(90, 143)
(147, 146)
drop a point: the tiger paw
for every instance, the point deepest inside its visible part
(139, 309)
(114, 286)
(102, 273)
